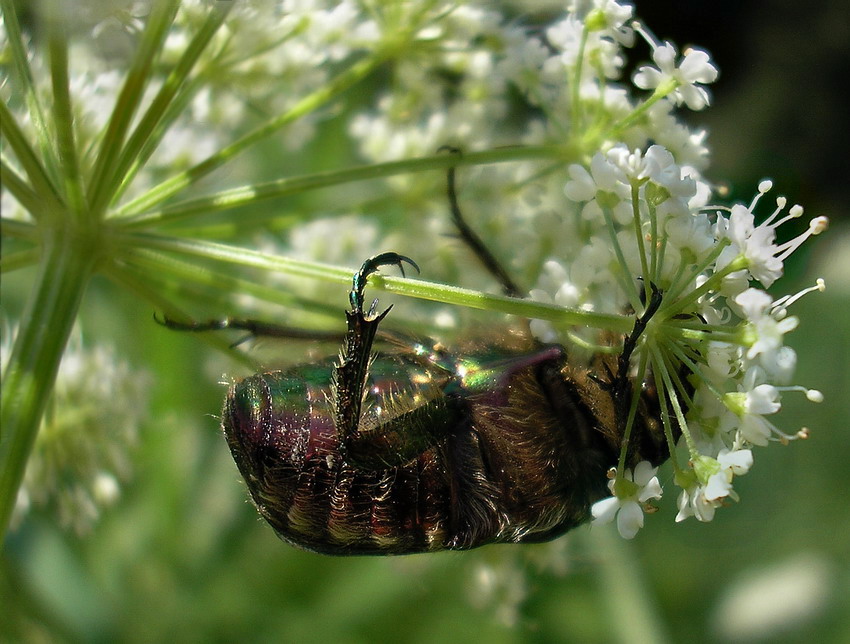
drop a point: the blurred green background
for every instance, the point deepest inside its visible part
(184, 557)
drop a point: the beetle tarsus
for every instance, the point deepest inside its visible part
(370, 266)
(192, 325)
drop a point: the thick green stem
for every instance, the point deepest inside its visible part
(34, 361)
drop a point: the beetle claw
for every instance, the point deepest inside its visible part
(370, 266)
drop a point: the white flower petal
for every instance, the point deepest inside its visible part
(604, 511)
(718, 486)
(629, 519)
(652, 490)
(763, 400)
(684, 504)
(644, 472)
(738, 461)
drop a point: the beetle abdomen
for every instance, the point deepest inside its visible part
(283, 439)
(506, 452)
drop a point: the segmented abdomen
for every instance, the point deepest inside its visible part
(281, 432)
(513, 450)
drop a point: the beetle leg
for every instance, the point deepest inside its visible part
(638, 329)
(258, 328)
(472, 240)
(370, 266)
(352, 369)
(620, 385)
(253, 329)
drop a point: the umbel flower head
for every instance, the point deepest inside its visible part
(593, 192)
(635, 214)
(711, 323)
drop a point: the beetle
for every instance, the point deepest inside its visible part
(423, 449)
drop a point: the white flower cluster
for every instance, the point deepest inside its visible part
(621, 210)
(711, 322)
(483, 82)
(599, 234)
(83, 449)
(266, 58)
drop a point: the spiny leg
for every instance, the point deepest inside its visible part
(471, 238)
(350, 373)
(399, 437)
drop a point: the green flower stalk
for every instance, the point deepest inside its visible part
(588, 186)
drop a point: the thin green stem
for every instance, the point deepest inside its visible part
(22, 75)
(248, 195)
(656, 246)
(224, 284)
(104, 181)
(660, 92)
(639, 245)
(140, 145)
(19, 229)
(633, 407)
(685, 281)
(330, 90)
(19, 189)
(698, 335)
(41, 182)
(20, 259)
(667, 395)
(686, 302)
(403, 286)
(62, 113)
(34, 360)
(628, 286)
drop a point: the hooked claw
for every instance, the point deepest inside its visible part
(370, 266)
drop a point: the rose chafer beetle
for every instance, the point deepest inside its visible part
(421, 449)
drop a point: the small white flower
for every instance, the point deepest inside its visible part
(694, 69)
(691, 232)
(748, 406)
(605, 178)
(611, 16)
(692, 503)
(731, 464)
(627, 503)
(710, 483)
(605, 175)
(765, 259)
(768, 331)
